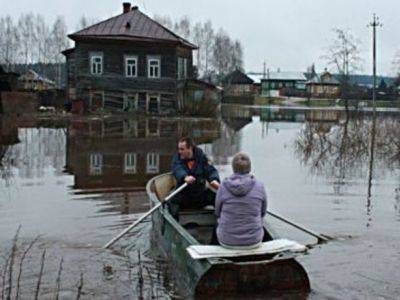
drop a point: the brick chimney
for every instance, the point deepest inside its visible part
(126, 7)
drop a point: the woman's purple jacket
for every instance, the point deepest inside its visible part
(240, 206)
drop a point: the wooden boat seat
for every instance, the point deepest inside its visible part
(270, 247)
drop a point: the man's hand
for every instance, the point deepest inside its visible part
(190, 179)
(215, 184)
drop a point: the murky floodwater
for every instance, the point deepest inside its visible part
(78, 183)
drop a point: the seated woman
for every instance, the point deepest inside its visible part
(240, 207)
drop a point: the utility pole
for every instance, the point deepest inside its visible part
(265, 69)
(375, 23)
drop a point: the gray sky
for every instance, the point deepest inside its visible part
(288, 34)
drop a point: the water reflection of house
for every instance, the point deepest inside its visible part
(238, 88)
(122, 155)
(32, 81)
(323, 85)
(276, 114)
(323, 116)
(236, 117)
(113, 159)
(127, 63)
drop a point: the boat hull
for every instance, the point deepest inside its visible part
(258, 275)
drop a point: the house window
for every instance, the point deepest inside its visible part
(96, 100)
(153, 103)
(130, 128)
(153, 162)
(152, 127)
(182, 68)
(130, 163)
(96, 164)
(131, 67)
(96, 64)
(130, 102)
(154, 67)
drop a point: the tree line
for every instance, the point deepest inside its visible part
(218, 53)
(30, 41)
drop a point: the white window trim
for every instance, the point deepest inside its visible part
(153, 163)
(94, 56)
(131, 168)
(125, 100)
(131, 57)
(91, 98)
(96, 164)
(148, 101)
(152, 59)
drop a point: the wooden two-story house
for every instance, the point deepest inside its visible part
(128, 63)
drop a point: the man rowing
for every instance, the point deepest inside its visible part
(191, 165)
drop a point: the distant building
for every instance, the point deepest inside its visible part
(273, 82)
(128, 63)
(238, 88)
(323, 85)
(32, 81)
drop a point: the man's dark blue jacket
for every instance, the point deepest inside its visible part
(202, 170)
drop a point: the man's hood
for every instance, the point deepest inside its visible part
(239, 185)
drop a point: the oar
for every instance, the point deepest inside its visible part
(321, 238)
(125, 231)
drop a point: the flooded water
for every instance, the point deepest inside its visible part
(77, 183)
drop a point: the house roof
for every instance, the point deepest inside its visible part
(35, 76)
(368, 80)
(324, 78)
(288, 76)
(238, 77)
(132, 25)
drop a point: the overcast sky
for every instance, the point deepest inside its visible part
(287, 34)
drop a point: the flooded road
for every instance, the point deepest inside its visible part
(78, 183)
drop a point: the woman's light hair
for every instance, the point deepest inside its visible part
(241, 163)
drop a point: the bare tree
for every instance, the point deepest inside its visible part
(85, 22)
(237, 55)
(27, 38)
(208, 44)
(183, 27)
(198, 37)
(344, 55)
(43, 42)
(396, 67)
(9, 43)
(165, 21)
(60, 42)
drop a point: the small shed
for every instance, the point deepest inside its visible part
(238, 88)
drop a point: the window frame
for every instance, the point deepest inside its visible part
(126, 59)
(125, 100)
(131, 168)
(91, 96)
(148, 96)
(95, 164)
(151, 59)
(152, 163)
(93, 56)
